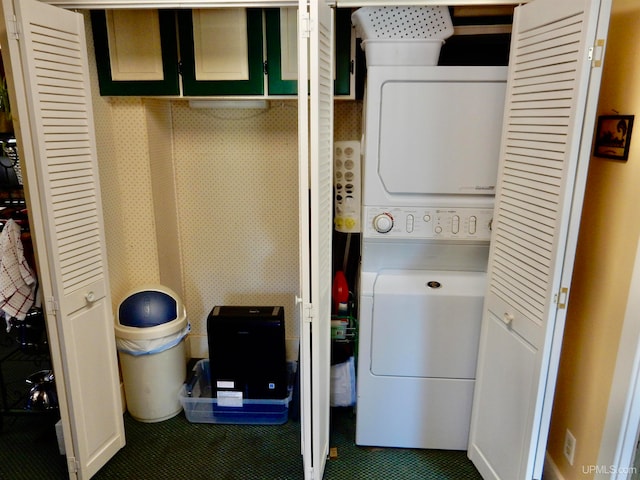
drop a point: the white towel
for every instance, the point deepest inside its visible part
(17, 280)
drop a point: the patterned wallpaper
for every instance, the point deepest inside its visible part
(236, 206)
(236, 181)
(125, 186)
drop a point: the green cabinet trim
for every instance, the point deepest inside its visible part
(343, 62)
(110, 87)
(193, 87)
(276, 85)
(180, 32)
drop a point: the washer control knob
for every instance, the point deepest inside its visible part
(410, 223)
(383, 223)
(473, 224)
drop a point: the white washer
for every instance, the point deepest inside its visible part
(420, 310)
(430, 155)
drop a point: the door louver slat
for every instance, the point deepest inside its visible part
(59, 86)
(550, 106)
(49, 67)
(534, 153)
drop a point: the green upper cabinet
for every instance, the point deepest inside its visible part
(282, 54)
(136, 52)
(221, 51)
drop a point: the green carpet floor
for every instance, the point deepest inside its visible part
(177, 449)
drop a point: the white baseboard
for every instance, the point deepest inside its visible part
(550, 470)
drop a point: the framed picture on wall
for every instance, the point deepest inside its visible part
(613, 136)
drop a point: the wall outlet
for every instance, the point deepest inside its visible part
(569, 446)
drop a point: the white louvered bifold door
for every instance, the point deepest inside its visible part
(56, 140)
(316, 300)
(549, 113)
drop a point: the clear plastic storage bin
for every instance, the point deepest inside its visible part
(199, 407)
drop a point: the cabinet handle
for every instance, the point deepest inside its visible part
(507, 318)
(91, 297)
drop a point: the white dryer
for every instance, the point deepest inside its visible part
(430, 158)
(431, 131)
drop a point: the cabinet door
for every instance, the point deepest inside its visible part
(282, 50)
(221, 51)
(343, 84)
(136, 52)
(282, 47)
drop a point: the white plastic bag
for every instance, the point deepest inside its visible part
(343, 384)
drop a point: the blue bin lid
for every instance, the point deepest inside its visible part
(147, 308)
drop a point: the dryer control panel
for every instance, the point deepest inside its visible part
(424, 223)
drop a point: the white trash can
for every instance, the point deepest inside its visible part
(150, 329)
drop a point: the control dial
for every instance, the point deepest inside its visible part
(383, 223)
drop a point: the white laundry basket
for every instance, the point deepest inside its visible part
(410, 52)
(402, 36)
(402, 22)
(150, 330)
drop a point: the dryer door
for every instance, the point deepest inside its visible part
(430, 131)
(427, 324)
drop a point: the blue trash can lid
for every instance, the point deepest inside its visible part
(148, 308)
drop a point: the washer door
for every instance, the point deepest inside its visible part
(427, 324)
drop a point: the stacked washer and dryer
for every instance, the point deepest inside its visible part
(430, 158)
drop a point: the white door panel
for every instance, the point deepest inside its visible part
(316, 150)
(552, 93)
(513, 363)
(47, 67)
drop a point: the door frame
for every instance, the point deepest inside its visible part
(622, 423)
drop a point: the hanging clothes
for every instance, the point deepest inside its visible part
(17, 280)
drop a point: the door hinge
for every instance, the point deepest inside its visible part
(307, 313)
(52, 306)
(15, 31)
(561, 298)
(305, 25)
(73, 465)
(265, 67)
(596, 52)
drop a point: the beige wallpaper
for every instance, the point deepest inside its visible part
(125, 186)
(236, 181)
(163, 190)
